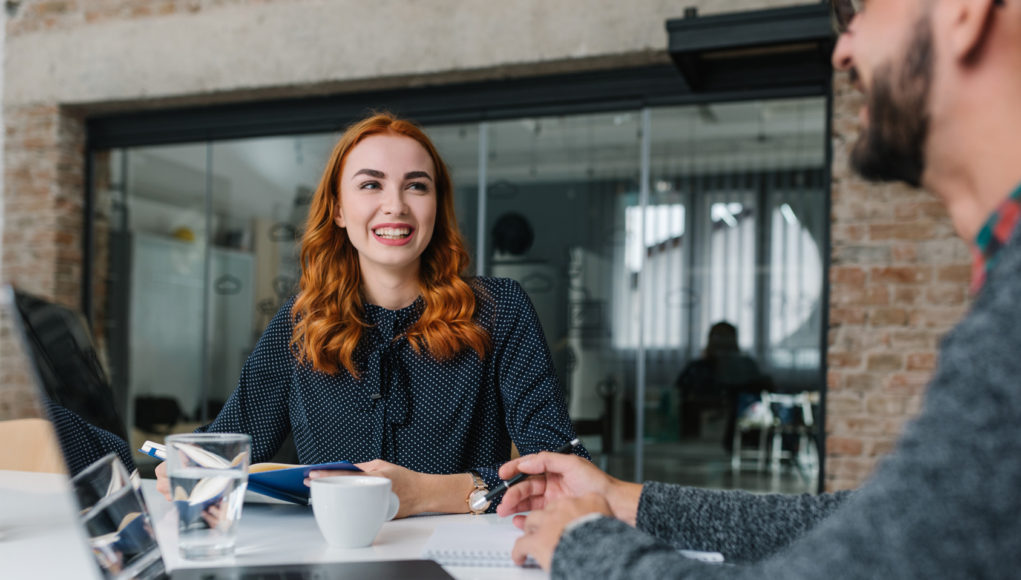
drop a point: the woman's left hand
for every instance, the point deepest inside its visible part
(403, 481)
(418, 492)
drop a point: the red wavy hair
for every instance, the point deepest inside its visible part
(329, 311)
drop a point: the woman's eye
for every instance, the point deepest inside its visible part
(369, 185)
(418, 186)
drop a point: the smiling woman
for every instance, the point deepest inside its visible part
(384, 178)
(389, 356)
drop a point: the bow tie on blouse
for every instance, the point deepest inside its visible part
(391, 386)
(393, 381)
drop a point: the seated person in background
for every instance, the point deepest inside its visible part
(942, 83)
(389, 356)
(723, 378)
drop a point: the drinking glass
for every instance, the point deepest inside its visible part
(208, 476)
(116, 521)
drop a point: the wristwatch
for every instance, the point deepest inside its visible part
(476, 499)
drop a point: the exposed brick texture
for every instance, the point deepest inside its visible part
(43, 201)
(34, 16)
(17, 401)
(43, 186)
(899, 281)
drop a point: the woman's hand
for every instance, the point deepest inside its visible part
(410, 486)
(407, 484)
(163, 480)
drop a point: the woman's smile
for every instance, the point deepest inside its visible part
(393, 234)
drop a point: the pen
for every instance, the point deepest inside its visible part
(504, 485)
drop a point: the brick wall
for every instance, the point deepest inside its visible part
(17, 399)
(44, 149)
(47, 15)
(899, 281)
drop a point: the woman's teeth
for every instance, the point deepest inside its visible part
(392, 233)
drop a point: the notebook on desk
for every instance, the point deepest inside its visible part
(27, 349)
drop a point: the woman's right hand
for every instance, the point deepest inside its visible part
(162, 480)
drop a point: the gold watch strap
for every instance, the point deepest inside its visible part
(477, 480)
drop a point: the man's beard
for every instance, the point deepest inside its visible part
(892, 147)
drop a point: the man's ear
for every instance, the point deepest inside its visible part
(969, 22)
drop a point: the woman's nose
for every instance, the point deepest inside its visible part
(393, 203)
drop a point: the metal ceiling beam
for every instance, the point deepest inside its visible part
(753, 50)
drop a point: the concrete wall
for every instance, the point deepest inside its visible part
(103, 51)
(898, 280)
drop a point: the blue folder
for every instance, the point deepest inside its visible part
(288, 484)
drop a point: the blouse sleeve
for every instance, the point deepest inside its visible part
(258, 406)
(533, 401)
(83, 443)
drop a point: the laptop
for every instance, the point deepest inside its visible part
(53, 347)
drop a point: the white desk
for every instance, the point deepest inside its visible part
(39, 537)
(284, 534)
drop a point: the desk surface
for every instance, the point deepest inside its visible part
(40, 539)
(38, 534)
(287, 533)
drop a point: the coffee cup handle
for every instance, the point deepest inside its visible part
(395, 504)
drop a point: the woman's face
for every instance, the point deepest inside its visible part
(387, 203)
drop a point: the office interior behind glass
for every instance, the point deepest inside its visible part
(634, 232)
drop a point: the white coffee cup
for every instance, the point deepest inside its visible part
(350, 509)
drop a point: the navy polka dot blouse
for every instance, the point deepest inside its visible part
(411, 410)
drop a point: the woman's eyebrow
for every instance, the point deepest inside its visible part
(417, 174)
(370, 172)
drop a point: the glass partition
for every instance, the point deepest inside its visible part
(633, 232)
(557, 199)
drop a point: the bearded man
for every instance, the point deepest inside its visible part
(942, 86)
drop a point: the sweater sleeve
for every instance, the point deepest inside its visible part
(742, 526)
(944, 504)
(258, 405)
(533, 401)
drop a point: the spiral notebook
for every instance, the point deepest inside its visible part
(490, 546)
(471, 544)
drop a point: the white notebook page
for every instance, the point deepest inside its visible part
(458, 544)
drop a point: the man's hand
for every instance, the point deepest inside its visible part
(544, 528)
(556, 476)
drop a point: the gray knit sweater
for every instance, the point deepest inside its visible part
(945, 504)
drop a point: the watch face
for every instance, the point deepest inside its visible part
(477, 500)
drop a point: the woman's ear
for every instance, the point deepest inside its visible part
(339, 217)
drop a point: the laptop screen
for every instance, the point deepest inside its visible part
(29, 440)
(68, 364)
(71, 386)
